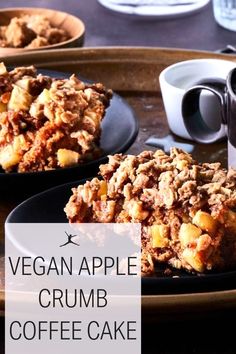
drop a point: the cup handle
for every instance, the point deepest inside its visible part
(192, 117)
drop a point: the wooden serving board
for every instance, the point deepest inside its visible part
(133, 73)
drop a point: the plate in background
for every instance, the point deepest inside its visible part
(152, 11)
(58, 19)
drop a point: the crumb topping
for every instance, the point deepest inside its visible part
(187, 210)
(47, 123)
(31, 31)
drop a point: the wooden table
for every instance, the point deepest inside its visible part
(133, 73)
(104, 28)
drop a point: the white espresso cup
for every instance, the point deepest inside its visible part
(176, 79)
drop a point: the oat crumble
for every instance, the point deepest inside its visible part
(30, 31)
(46, 123)
(187, 209)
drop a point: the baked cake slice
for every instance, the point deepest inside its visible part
(46, 122)
(187, 210)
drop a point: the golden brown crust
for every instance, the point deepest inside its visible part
(187, 210)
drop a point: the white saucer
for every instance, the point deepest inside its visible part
(161, 12)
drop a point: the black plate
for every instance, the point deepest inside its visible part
(119, 130)
(47, 207)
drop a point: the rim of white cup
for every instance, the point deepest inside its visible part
(162, 76)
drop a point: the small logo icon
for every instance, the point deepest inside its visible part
(70, 237)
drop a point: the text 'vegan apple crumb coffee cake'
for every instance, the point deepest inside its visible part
(187, 210)
(46, 123)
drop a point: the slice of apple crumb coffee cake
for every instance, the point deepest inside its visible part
(187, 210)
(47, 122)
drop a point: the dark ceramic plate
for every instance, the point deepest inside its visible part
(119, 130)
(47, 207)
